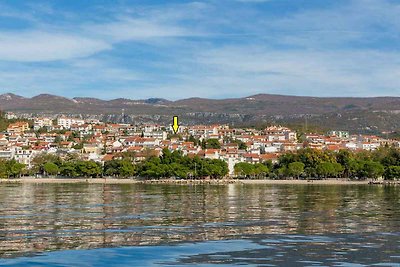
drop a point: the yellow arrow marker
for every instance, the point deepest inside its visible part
(175, 125)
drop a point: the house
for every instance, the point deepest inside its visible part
(251, 158)
(42, 122)
(90, 148)
(340, 134)
(24, 156)
(18, 127)
(67, 122)
(273, 157)
(7, 153)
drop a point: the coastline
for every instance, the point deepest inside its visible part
(189, 182)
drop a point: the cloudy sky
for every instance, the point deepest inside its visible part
(217, 48)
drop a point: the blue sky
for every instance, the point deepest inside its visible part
(216, 48)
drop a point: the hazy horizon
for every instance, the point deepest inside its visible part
(195, 97)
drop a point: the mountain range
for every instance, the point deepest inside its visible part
(369, 114)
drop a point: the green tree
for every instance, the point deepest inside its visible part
(192, 139)
(13, 168)
(3, 169)
(346, 159)
(51, 168)
(68, 169)
(296, 169)
(39, 161)
(244, 169)
(126, 168)
(325, 169)
(260, 170)
(212, 143)
(88, 168)
(57, 139)
(372, 169)
(392, 173)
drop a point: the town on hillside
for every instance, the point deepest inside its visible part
(101, 142)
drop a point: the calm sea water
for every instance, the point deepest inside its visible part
(166, 225)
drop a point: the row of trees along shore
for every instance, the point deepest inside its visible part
(308, 163)
(170, 164)
(303, 164)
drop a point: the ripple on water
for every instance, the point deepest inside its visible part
(135, 225)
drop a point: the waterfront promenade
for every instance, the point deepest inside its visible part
(184, 181)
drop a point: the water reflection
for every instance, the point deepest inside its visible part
(47, 217)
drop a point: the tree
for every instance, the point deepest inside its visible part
(346, 159)
(218, 168)
(39, 161)
(260, 170)
(212, 143)
(282, 171)
(241, 145)
(111, 168)
(126, 168)
(372, 169)
(3, 169)
(13, 168)
(392, 173)
(338, 169)
(296, 169)
(51, 168)
(57, 139)
(192, 139)
(78, 146)
(244, 169)
(88, 168)
(325, 169)
(68, 169)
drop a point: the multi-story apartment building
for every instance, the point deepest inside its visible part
(66, 123)
(42, 122)
(18, 127)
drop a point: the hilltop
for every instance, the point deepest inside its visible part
(369, 114)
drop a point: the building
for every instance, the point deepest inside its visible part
(66, 123)
(340, 134)
(18, 127)
(42, 122)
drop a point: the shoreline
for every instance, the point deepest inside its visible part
(190, 182)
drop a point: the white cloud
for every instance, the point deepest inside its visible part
(33, 46)
(135, 29)
(45, 42)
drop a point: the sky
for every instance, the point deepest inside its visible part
(215, 49)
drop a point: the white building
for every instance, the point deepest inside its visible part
(42, 122)
(340, 134)
(67, 122)
(24, 156)
(157, 134)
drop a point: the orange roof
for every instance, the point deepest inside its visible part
(249, 155)
(211, 151)
(135, 148)
(108, 157)
(269, 156)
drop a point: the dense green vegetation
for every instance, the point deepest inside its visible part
(308, 163)
(257, 170)
(11, 168)
(170, 164)
(174, 164)
(305, 163)
(5, 122)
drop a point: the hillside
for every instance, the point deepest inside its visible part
(357, 114)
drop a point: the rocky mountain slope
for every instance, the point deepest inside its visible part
(357, 114)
